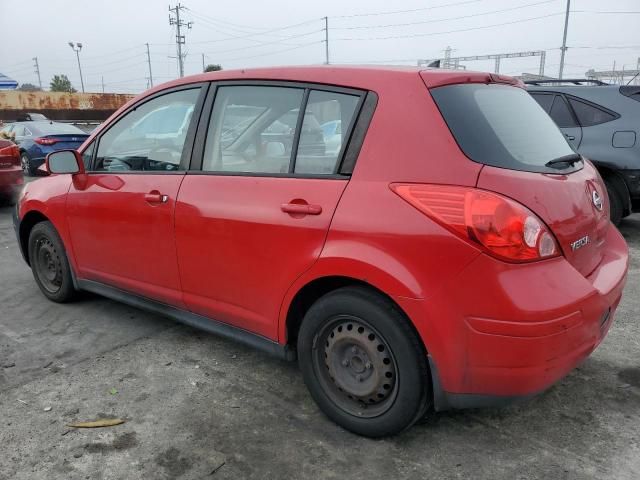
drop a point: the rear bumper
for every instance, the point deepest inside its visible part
(511, 331)
(11, 181)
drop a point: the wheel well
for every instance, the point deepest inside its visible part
(319, 287)
(28, 222)
(616, 180)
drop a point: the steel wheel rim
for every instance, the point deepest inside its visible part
(48, 265)
(356, 367)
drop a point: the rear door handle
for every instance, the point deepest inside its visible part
(301, 208)
(156, 197)
(569, 137)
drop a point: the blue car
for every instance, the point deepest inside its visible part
(36, 139)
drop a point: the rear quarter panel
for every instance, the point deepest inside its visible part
(377, 237)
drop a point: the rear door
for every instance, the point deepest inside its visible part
(121, 213)
(253, 216)
(502, 128)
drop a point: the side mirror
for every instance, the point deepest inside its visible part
(64, 161)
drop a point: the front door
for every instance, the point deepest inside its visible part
(121, 214)
(256, 215)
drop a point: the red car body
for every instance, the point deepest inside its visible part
(11, 180)
(250, 252)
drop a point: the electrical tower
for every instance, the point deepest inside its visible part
(180, 40)
(37, 67)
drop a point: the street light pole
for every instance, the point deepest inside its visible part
(76, 48)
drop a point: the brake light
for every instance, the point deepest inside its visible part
(45, 141)
(500, 226)
(9, 155)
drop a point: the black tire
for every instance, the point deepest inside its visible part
(358, 322)
(49, 263)
(25, 162)
(616, 205)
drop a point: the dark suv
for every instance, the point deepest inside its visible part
(601, 122)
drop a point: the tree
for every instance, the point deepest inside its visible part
(29, 87)
(60, 83)
(213, 67)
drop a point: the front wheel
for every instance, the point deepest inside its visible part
(49, 263)
(363, 363)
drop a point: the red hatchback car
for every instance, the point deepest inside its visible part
(453, 252)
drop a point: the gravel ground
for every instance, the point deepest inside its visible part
(198, 406)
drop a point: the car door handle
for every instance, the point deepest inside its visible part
(156, 197)
(301, 208)
(569, 137)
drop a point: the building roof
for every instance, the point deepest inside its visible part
(7, 83)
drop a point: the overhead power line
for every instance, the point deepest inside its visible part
(392, 12)
(472, 15)
(429, 34)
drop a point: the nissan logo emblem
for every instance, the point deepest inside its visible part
(597, 200)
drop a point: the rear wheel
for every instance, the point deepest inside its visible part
(25, 162)
(363, 363)
(616, 205)
(49, 263)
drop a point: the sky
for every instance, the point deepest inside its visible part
(239, 34)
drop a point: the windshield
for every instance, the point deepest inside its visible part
(502, 126)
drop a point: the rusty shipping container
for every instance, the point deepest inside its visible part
(59, 105)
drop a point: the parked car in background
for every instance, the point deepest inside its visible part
(455, 252)
(38, 138)
(11, 179)
(601, 122)
(332, 132)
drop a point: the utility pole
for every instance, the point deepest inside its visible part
(203, 67)
(76, 48)
(180, 40)
(563, 49)
(37, 67)
(102, 81)
(326, 40)
(149, 63)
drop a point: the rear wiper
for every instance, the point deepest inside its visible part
(568, 159)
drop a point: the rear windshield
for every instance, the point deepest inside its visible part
(502, 126)
(53, 128)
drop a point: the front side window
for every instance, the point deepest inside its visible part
(252, 129)
(321, 138)
(544, 100)
(87, 156)
(150, 137)
(561, 114)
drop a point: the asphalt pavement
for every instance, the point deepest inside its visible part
(199, 406)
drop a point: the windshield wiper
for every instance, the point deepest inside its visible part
(568, 159)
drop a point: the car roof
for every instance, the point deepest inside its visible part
(355, 76)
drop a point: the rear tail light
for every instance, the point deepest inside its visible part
(500, 226)
(45, 141)
(9, 155)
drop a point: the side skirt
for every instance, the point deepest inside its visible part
(197, 321)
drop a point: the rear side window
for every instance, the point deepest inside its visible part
(320, 147)
(501, 126)
(589, 114)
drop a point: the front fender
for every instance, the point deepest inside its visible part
(48, 197)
